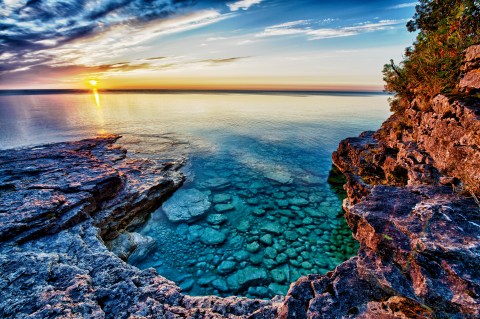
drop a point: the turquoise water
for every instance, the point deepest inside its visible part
(257, 163)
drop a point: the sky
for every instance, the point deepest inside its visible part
(213, 44)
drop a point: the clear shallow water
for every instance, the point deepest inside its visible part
(261, 162)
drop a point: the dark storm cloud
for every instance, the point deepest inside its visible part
(35, 25)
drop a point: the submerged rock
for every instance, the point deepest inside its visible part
(279, 176)
(249, 276)
(212, 236)
(186, 205)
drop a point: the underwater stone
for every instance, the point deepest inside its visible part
(249, 276)
(262, 292)
(216, 219)
(286, 212)
(187, 284)
(205, 281)
(278, 246)
(186, 205)
(295, 263)
(195, 231)
(298, 201)
(291, 235)
(220, 285)
(273, 228)
(269, 263)
(182, 229)
(278, 275)
(258, 212)
(279, 177)
(221, 208)
(226, 267)
(244, 226)
(313, 212)
(241, 255)
(307, 221)
(252, 201)
(303, 231)
(270, 252)
(216, 183)
(211, 236)
(256, 259)
(266, 239)
(292, 253)
(306, 265)
(279, 195)
(253, 247)
(281, 258)
(277, 289)
(282, 203)
(221, 198)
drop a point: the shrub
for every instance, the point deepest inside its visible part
(432, 66)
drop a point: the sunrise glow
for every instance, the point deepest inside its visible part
(209, 44)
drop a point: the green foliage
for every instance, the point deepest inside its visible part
(445, 29)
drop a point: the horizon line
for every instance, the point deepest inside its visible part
(239, 91)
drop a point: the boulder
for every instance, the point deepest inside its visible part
(186, 205)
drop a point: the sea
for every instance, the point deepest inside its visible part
(257, 175)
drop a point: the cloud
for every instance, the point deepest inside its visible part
(94, 42)
(404, 5)
(242, 4)
(62, 31)
(224, 60)
(307, 28)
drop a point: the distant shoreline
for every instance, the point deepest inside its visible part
(180, 91)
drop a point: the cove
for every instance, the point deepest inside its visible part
(256, 211)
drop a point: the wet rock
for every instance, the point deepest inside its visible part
(298, 201)
(226, 267)
(212, 237)
(291, 235)
(222, 208)
(221, 198)
(216, 183)
(277, 289)
(216, 219)
(244, 278)
(253, 247)
(142, 246)
(241, 255)
(186, 205)
(258, 212)
(243, 226)
(205, 281)
(266, 239)
(273, 228)
(270, 252)
(279, 176)
(220, 285)
(278, 275)
(187, 284)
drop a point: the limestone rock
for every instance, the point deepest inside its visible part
(186, 205)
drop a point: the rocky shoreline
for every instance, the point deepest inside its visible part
(60, 203)
(411, 205)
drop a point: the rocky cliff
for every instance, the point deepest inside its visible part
(413, 205)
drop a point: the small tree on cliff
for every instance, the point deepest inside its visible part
(445, 29)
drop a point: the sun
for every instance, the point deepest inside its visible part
(93, 82)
